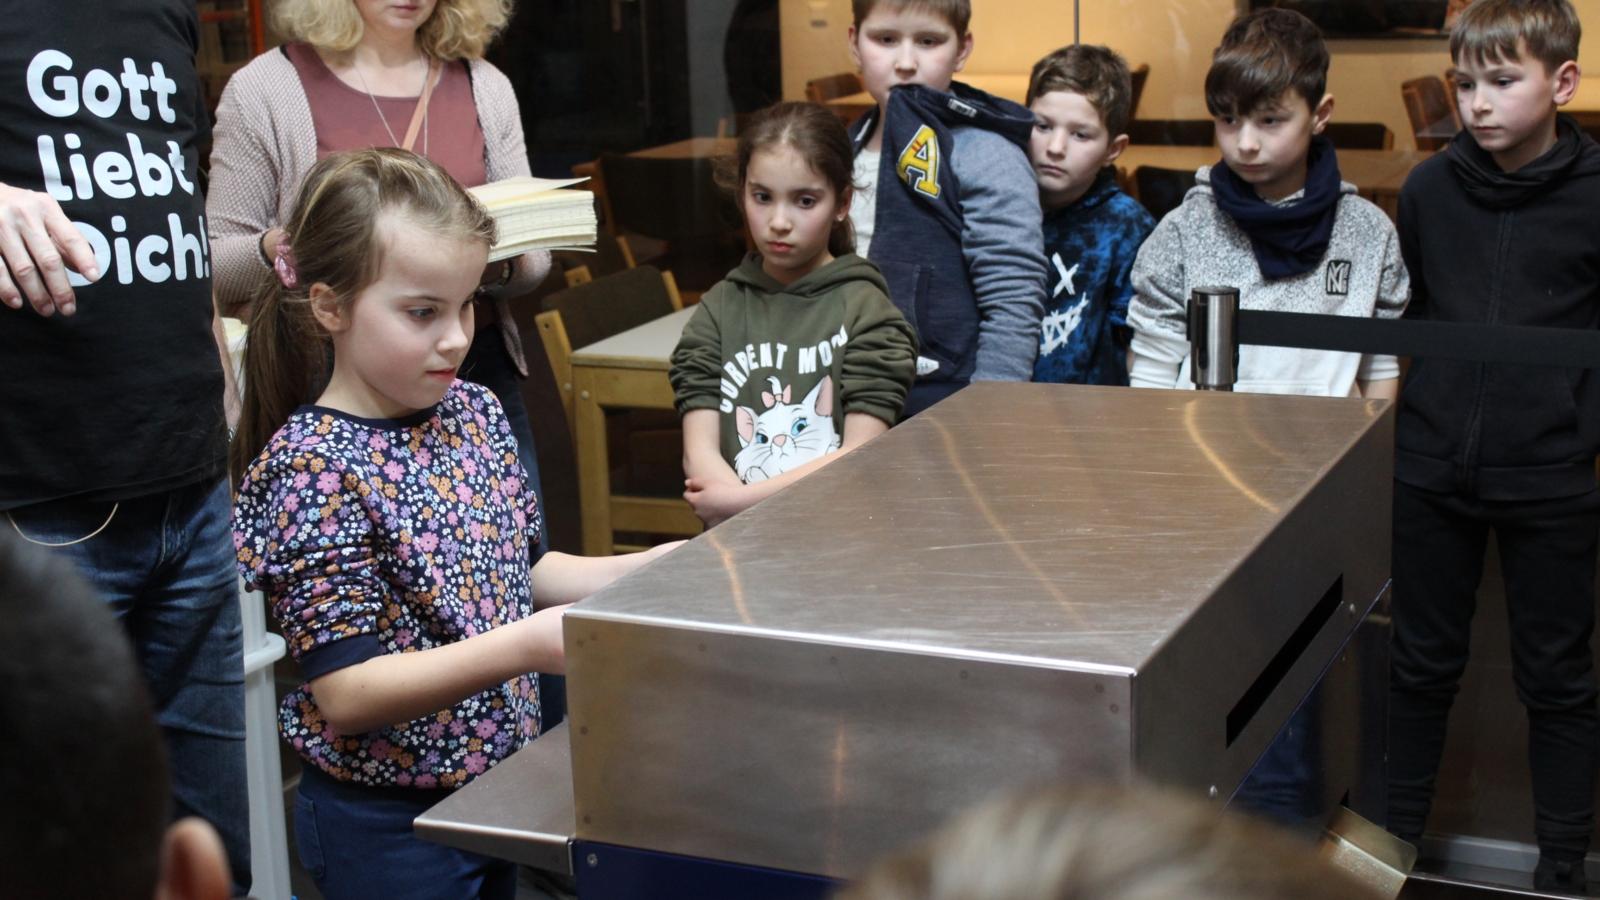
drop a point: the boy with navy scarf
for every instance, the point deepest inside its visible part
(1273, 219)
(946, 203)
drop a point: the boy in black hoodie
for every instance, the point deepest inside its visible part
(1499, 228)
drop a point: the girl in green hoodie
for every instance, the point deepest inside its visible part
(797, 356)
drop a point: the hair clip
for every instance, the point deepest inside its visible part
(283, 264)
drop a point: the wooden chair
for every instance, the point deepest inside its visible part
(646, 445)
(821, 90)
(1431, 110)
(1161, 190)
(676, 201)
(596, 308)
(1360, 135)
(733, 125)
(1173, 132)
(1139, 75)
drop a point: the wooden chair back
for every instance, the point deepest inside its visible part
(675, 201)
(733, 125)
(1173, 132)
(1360, 135)
(1431, 110)
(1161, 190)
(597, 309)
(821, 90)
(1139, 75)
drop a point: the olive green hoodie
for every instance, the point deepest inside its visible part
(784, 364)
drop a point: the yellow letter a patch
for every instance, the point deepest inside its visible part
(919, 163)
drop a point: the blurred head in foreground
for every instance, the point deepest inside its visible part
(84, 786)
(1106, 843)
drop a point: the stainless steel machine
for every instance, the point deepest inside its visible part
(1025, 583)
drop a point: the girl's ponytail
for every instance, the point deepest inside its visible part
(285, 363)
(334, 241)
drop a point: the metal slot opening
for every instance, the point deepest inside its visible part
(1254, 696)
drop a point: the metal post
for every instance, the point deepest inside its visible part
(1214, 338)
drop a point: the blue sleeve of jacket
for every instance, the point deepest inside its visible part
(1004, 250)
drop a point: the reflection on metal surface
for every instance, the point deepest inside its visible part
(1216, 460)
(996, 524)
(520, 810)
(1025, 582)
(735, 590)
(1375, 857)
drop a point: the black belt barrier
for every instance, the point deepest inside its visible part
(1217, 327)
(1524, 345)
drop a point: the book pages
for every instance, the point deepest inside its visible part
(538, 214)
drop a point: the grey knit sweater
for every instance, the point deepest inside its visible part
(1198, 245)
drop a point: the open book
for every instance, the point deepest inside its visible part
(538, 214)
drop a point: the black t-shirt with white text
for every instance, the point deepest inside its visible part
(100, 107)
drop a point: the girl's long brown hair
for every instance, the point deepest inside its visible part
(333, 238)
(818, 136)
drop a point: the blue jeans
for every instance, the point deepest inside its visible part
(358, 844)
(165, 565)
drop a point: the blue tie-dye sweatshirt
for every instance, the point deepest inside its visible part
(1090, 245)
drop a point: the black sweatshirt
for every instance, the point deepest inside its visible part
(1519, 248)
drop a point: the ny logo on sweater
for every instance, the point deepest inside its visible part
(1339, 277)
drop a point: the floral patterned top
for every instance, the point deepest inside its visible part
(373, 536)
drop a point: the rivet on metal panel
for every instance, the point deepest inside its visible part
(593, 860)
(1213, 792)
(1099, 689)
(583, 394)
(583, 729)
(963, 674)
(1115, 708)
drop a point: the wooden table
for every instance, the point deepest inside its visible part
(1377, 174)
(624, 371)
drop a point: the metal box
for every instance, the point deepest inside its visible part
(1025, 583)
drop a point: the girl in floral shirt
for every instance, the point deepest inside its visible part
(390, 525)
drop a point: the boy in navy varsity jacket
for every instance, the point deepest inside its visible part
(1081, 97)
(1499, 228)
(946, 204)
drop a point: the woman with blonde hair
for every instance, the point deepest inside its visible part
(355, 74)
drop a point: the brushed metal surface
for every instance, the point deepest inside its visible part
(519, 810)
(1026, 582)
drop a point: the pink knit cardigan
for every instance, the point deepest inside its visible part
(263, 145)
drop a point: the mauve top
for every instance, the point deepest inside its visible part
(345, 119)
(266, 142)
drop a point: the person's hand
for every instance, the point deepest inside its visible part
(270, 239)
(714, 501)
(38, 244)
